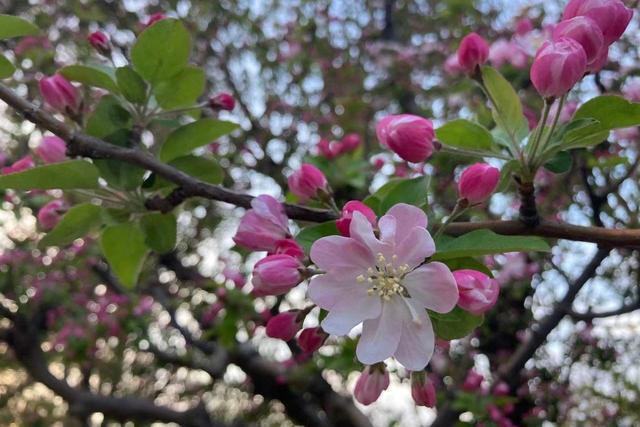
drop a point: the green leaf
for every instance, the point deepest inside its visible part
(486, 242)
(124, 248)
(560, 163)
(181, 90)
(455, 324)
(162, 50)
(188, 137)
(75, 224)
(511, 168)
(611, 112)
(72, 174)
(204, 169)
(6, 68)
(90, 76)
(131, 85)
(412, 191)
(160, 231)
(108, 118)
(120, 174)
(13, 26)
(310, 234)
(507, 111)
(465, 135)
(467, 264)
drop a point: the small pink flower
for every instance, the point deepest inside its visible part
(100, 42)
(523, 26)
(285, 325)
(60, 94)
(20, 165)
(159, 16)
(211, 314)
(307, 182)
(473, 52)
(501, 389)
(503, 52)
(612, 16)
(263, 226)
(422, 390)
(144, 306)
(478, 292)
(409, 136)
(371, 383)
(585, 31)
(52, 149)
(558, 66)
(452, 65)
(473, 381)
(222, 101)
(328, 149)
(477, 182)
(349, 208)
(276, 275)
(382, 282)
(350, 142)
(289, 247)
(50, 214)
(311, 339)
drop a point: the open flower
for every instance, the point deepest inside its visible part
(381, 281)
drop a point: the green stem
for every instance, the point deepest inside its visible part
(538, 134)
(461, 207)
(553, 128)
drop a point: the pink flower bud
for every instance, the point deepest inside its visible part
(222, 101)
(307, 182)
(60, 94)
(422, 390)
(144, 306)
(349, 208)
(153, 19)
(311, 339)
(276, 275)
(23, 164)
(600, 61)
(235, 276)
(52, 149)
(209, 316)
(478, 292)
(289, 247)
(523, 26)
(501, 389)
(473, 381)
(328, 149)
(473, 52)
(350, 142)
(558, 66)
(100, 42)
(477, 182)
(612, 16)
(409, 136)
(50, 214)
(284, 325)
(263, 225)
(585, 31)
(371, 383)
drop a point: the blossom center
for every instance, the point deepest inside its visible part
(385, 279)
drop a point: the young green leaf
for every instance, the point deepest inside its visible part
(188, 137)
(13, 26)
(412, 191)
(455, 324)
(75, 224)
(131, 85)
(6, 68)
(507, 109)
(310, 234)
(162, 50)
(466, 135)
(124, 248)
(159, 231)
(181, 90)
(72, 174)
(109, 117)
(90, 76)
(486, 242)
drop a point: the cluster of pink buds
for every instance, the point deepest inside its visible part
(60, 94)
(332, 149)
(579, 44)
(410, 137)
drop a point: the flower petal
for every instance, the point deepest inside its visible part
(349, 312)
(380, 337)
(417, 340)
(433, 286)
(338, 253)
(362, 231)
(408, 217)
(415, 247)
(327, 290)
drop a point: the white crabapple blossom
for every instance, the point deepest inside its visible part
(381, 281)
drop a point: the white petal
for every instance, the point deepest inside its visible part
(326, 290)
(433, 286)
(408, 216)
(349, 312)
(417, 341)
(341, 253)
(380, 337)
(362, 231)
(415, 247)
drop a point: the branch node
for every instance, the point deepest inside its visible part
(528, 210)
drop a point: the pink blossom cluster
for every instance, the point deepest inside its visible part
(332, 149)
